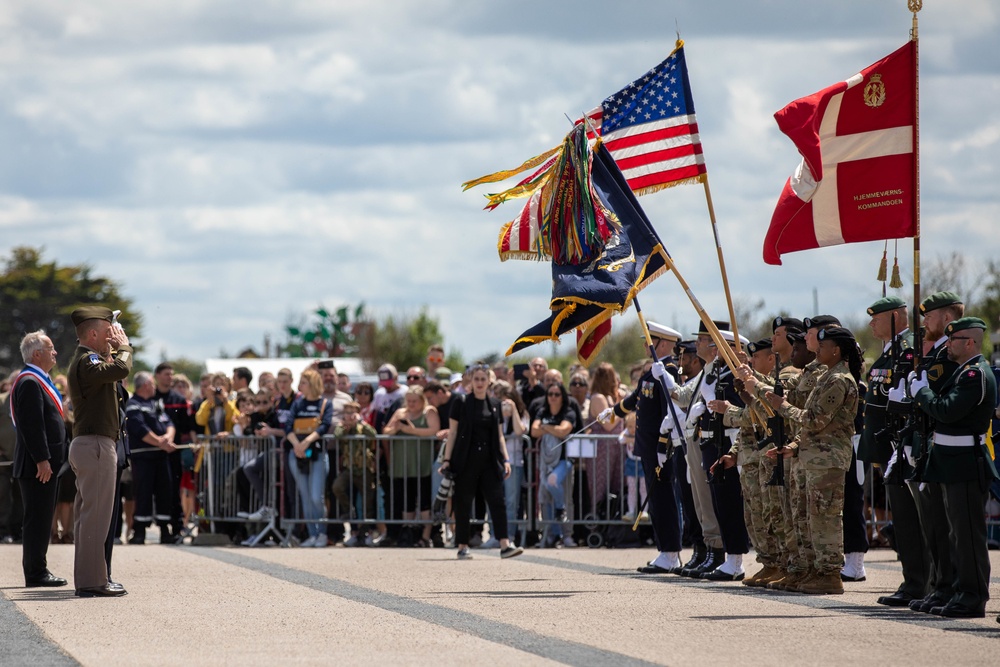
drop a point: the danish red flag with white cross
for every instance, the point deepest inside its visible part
(857, 178)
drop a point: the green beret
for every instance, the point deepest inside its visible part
(963, 324)
(885, 304)
(835, 333)
(939, 300)
(81, 315)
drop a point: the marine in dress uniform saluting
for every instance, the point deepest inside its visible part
(957, 459)
(649, 402)
(92, 453)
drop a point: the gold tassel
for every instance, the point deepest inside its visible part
(896, 281)
(883, 267)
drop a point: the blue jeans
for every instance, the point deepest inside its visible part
(511, 497)
(556, 493)
(312, 489)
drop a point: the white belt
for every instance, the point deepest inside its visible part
(730, 433)
(954, 440)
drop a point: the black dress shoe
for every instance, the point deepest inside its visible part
(48, 581)
(924, 605)
(897, 599)
(653, 569)
(952, 610)
(105, 591)
(115, 585)
(718, 575)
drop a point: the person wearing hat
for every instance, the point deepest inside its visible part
(725, 500)
(823, 448)
(103, 358)
(889, 324)
(938, 311)
(755, 470)
(649, 403)
(959, 462)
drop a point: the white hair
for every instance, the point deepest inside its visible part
(142, 378)
(32, 343)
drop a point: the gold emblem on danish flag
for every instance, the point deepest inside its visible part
(875, 91)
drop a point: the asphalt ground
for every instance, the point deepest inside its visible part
(225, 605)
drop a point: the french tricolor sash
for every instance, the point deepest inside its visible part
(43, 380)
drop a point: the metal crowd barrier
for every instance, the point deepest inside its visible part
(394, 480)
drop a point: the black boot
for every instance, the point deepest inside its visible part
(714, 559)
(700, 551)
(138, 534)
(695, 570)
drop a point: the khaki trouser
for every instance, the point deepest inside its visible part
(95, 461)
(703, 508)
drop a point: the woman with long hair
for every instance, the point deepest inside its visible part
(514, 424)
(605, 472)
(410, 460)
(476, 455)
(552, 424)
(311, 416)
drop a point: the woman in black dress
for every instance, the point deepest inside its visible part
(476, 454)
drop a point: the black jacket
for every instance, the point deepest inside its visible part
(462, 408)
(41, 430)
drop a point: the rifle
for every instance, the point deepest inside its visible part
(894, 417)
(718, 434)
(776, 425)
(916, 423)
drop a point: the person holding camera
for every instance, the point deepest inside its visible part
(553, 422)
(476, 454)
(310, 419)
(217, 413)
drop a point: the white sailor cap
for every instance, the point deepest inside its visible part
(728, 335)
(660, 331)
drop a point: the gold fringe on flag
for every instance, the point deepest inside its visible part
(700, 178)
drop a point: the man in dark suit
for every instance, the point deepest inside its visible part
(40, 449)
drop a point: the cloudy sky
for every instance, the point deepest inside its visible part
(234, 163)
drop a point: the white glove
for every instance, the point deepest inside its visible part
(606, 415)
(898, 394)
(707, 390)
(667, 425)
(892, 462)
(661, 458)
(697, 410)
(917, 381)
(659, 371)
(908, 452)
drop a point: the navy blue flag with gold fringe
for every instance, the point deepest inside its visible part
(586, 295)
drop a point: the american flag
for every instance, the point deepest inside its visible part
(650, 128)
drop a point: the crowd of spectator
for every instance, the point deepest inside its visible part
(359, 464)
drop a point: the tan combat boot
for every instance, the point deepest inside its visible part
(823, 584)
(789, 579)
(760, 579)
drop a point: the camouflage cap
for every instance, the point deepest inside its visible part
(963, 324)
(81, 315)
(939, 300)
(885, 304)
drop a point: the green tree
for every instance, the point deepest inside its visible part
(400, 339)
(36, 294)
(327, 334)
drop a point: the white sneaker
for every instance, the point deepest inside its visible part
(492, 543)
(321, 541)
(243, 515)
(311, 542)
(263, 514)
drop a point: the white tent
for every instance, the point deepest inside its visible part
(349, 365)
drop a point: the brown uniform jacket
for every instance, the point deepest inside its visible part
(93, 393)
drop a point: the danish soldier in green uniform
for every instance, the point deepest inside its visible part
(958, 460)
(889, 324)
(938, 310)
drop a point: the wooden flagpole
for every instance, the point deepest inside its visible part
(914, 6)
(722, 263)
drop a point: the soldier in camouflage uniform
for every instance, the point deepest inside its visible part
(754, 474)
(823, 449)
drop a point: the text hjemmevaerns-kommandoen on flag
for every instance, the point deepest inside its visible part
(856, 179)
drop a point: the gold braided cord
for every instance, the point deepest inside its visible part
(507, 173)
